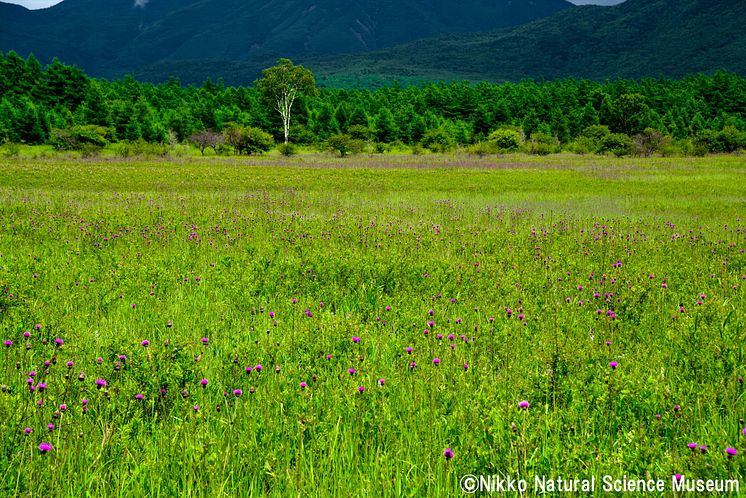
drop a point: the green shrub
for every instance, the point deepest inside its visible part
(618, 144)
(287, 149)
(438, 140)
(344, 144)
(506, 139)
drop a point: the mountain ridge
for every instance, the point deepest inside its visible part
(111, 37)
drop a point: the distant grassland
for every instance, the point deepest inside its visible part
(607, 293)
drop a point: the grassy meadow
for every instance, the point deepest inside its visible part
(368, 326)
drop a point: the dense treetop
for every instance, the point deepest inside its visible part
(36, 100)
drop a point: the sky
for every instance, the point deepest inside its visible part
(40, 4)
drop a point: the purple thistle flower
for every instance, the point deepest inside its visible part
(134, 306)
(351, 371)
(703, 449)
(41, 386)
(328, 357)
(466, 366)
(408, 350)
(50, 427)
(271, 314)
(28, 430)
(692, 446)
(248, 369)
(381, 382)
(145, 343)
(237, 393)
(523, 405)
(658, 416)
(38, 326)
(70, 364)
(59, 342)
(436, 361)
(45, 447)
(8, 343)
(355, 339)
(678, 477)
(613, 365)
(122, 357)
(26, 335)
(361, 389)
(204, 382)
(744, 431)
(676, 408)
(303, 385)
(100, 383)
(139, 397)
(205, 341)
(448, 453)
(63, 407)
(258, 368)
(731, 452)
(196, 408)
(388, 308)
(308, 313)
(412, 365)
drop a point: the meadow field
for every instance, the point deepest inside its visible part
(370, 326)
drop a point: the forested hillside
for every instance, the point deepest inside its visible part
(113, 37)
(638, 38)
(46, 104)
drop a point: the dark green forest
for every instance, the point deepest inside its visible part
(60, 105)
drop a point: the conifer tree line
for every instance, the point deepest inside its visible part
(60, 105)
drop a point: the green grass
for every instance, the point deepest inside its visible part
(208, 248)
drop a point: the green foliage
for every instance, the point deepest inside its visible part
(578, 113)
(247, 139)
(438, 140)
(282, 84)
(618, 144)
(287, 149)
(344, 145)
(77, 137)
(506, 139)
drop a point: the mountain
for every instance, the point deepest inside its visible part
(111, 37)
(634, 39)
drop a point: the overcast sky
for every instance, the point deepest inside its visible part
(40, 4)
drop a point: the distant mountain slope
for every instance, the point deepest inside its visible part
(637, 38)
(111, 37)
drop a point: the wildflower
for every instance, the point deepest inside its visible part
(237, 393)
(63, 407)
(676, 408)
(139, 397)
(271, 314)
(59, 342)
(303, 385)
(70, 364)
(436, 361)
(692, 446)
(28, 430)
(412, 365)
(466, 366)
(100, 383)
(613, 365)
(145, 343)
(703, 449)
(408, 350)
(361, 389)
(355, 339)
(523, 405)
(205, 341)
(204, 382)
(41, 386)
(8, 343)
(328, 357)
(381, 382)
(731, 452)
(448, 453)
(196, 408)
(45, 447)
(258, 368)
